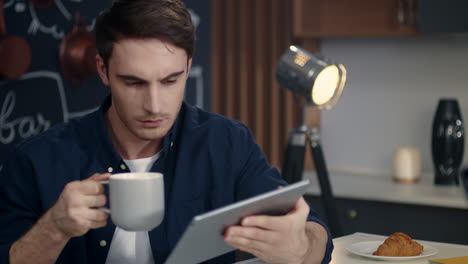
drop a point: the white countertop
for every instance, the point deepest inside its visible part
(340, 255)
(383, 188)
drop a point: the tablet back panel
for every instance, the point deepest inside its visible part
(203, 238)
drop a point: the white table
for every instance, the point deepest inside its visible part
(341, 256)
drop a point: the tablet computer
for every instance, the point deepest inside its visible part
(203, 238)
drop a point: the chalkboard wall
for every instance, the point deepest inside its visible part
(42, 97)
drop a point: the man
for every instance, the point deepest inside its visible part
(49, 205)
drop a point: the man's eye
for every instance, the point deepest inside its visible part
(134, 83)
(170, 81)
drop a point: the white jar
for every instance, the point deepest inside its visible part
(406, 164)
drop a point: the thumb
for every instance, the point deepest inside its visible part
(301, 207)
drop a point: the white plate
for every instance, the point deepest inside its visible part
(365, 249)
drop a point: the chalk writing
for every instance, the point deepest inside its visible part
(24, 127)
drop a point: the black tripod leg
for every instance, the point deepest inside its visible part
(293, 164)
(327, 195)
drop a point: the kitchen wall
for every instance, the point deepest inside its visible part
(42, 97)
(393, 88)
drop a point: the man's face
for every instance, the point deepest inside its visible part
(147, 80)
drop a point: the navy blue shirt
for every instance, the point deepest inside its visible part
(208, 161)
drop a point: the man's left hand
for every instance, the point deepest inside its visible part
(274, 239)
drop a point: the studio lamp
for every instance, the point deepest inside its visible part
(316, 82)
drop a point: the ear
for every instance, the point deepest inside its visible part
(102, 70)
(189, 66)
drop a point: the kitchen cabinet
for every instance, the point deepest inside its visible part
(328, 18)
(436, 16)
(338, 18)
(374, 203)
(440, 224)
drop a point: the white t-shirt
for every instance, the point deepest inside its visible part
(132, 247)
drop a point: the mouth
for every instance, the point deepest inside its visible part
(152, 123)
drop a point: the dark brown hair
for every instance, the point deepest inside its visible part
(168, 20)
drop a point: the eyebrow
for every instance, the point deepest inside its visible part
(135, 78)
(172, 75)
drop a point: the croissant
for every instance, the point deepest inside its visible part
(398, 245)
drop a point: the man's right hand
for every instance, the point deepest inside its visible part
(74, 214)
(77, 209)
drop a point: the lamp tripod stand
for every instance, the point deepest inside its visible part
(293, 167)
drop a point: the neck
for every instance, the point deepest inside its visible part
(127, 144)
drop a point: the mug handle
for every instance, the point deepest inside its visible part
(104, 209)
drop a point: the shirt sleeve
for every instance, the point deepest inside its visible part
(19, 202)
(256, 176)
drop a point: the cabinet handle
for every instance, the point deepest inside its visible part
(351, 214)
(407, 12)
(401, 12)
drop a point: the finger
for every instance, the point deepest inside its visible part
(90, 187)
(94, 200)
(96, 215)
(264, 222)
(99, 177)
(97, 224)
(254, 233)
(248, 245)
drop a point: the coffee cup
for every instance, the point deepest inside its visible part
(136, 200)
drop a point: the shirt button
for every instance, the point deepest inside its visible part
(110, 169)
(123, 167)
(102, 243)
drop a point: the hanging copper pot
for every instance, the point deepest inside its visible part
(78, 52)
(41, 3)
(15, 52)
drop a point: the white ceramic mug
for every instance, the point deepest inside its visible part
(406, 164)
(136, 200)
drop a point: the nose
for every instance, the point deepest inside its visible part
(152, 100)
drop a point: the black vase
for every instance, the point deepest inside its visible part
(447, 142)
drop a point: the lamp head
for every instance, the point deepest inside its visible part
(310, 76)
